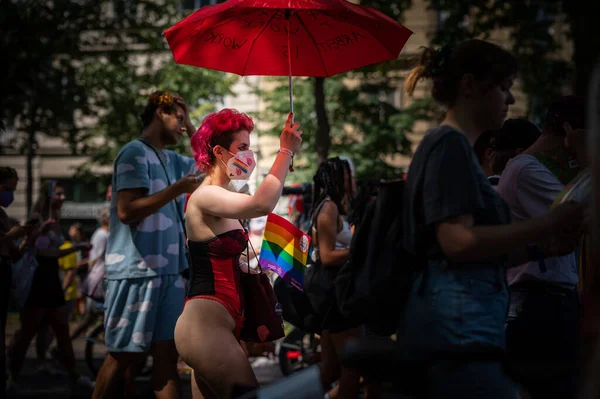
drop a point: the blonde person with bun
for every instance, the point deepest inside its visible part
(461, 229)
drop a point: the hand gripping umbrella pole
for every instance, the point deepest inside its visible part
(288, 15)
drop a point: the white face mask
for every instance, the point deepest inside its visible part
(238, 186)
(241, 165)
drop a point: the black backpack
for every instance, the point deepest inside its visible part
(297, 309)
(373, 286)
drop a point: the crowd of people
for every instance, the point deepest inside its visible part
(46, 289)
(495, 305)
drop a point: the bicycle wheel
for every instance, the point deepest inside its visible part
(298, 350)
(95, 349)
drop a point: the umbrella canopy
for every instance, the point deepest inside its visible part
(254, 37)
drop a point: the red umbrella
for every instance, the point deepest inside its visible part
(252, 37)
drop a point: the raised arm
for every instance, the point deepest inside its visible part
(220, 202)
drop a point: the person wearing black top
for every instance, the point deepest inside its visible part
(460, 227)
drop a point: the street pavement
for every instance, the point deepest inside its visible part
(40, 384)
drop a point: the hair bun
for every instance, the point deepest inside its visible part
(439, 61)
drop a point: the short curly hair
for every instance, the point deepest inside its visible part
(217, 129)
(161, 99)
(7, 173)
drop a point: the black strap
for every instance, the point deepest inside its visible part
(313, 222)
(494, 180)
(174, 202)
(249, 244)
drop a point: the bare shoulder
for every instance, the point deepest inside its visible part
(328, 213)
(329, 208)
(206, 191)
(209, 193)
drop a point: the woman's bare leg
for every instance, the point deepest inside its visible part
(330, 362)
(199, 386)
(205, 340)
(59, 321)
(349, 385)
(31, 322)
(43, 339)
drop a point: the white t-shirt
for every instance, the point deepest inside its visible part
(98, 251)
(530, 188)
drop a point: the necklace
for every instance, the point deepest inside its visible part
(159, 153)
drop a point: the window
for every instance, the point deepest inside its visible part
(8, 139)
(196, 4)
(126, 9)
(442, 16)
(80, 191)
(394, 97)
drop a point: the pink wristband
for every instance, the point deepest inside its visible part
(291, 154)
(287, 152)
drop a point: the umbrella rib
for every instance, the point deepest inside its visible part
(254, 42)
(315, 42)
(374, 37)
(376, 16)
(229, 20)
(225, 22)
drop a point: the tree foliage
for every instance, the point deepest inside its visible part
(81, 69)
(119, 109)
(363, 120)
(537, 30)
(365, 125)
(361, 123)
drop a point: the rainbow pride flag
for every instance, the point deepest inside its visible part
(241, 165)
(284, 250)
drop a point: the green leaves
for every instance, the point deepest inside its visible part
(531, 26)
(82, 70)
(364, 124)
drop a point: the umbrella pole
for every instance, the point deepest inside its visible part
(291, 96)
(290, 84)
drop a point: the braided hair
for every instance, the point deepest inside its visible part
(329, 182)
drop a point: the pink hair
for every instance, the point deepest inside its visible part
(217, 129)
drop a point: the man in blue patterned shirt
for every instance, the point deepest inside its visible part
(145, 254)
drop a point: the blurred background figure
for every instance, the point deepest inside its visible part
(95, 276)
(45, 304)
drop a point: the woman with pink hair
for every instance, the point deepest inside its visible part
(207, 332)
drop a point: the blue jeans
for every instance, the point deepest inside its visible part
(455, 317)
(461, 309)
(469, 379)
